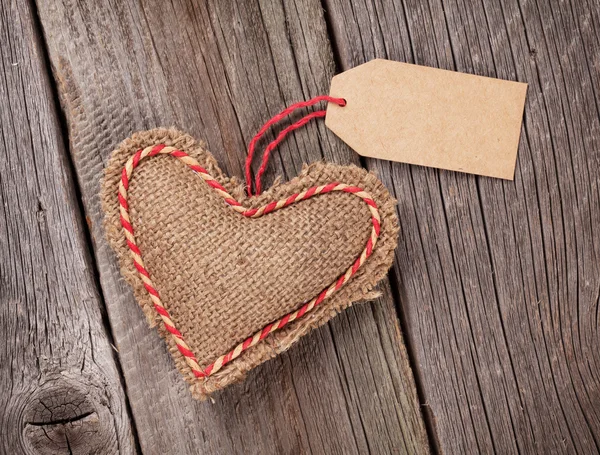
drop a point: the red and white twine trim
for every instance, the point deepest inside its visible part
(138, 262)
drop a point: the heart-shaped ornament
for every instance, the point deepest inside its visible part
(234, 280)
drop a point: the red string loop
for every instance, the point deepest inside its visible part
(287, 111)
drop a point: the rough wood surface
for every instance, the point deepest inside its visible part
(499, 281)
(61, 391)
(218, 70)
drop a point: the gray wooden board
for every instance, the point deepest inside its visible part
(219, 70)
(61, 390)
(499, 281)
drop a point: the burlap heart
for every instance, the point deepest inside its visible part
(237, 280)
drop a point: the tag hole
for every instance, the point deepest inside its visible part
(344, 102)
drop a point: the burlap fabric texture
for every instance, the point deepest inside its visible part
(222, 276)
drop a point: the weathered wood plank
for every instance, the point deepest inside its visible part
(219, 70)
(500, 280)
(61, 391)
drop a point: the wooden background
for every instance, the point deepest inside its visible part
(486, 336)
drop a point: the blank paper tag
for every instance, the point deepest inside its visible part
(431, 117)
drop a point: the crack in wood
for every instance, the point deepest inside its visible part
(75, 419)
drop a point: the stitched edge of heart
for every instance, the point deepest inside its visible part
(277, 341)
(192, 164)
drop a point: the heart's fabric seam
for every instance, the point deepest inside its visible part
(138, 262)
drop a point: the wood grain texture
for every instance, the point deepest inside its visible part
(61, 391)
(219, 70)
(499, 281)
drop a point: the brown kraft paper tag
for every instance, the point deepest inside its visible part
(430, 117)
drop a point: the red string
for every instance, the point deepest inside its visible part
(287, 111)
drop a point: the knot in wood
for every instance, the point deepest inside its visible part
(68, 416)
